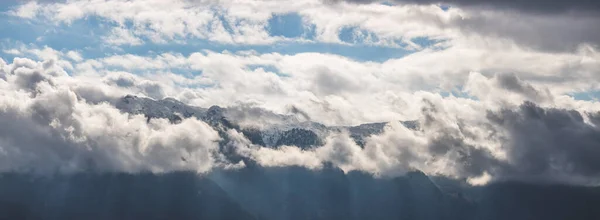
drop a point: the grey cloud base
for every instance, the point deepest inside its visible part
(554, 26)
(550, 141)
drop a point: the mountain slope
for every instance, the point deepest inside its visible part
(181, 195)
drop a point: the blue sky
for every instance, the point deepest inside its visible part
(85, 35)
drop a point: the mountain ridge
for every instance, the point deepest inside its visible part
(287, 131)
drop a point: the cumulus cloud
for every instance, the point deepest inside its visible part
(157, 21)
(48, 127)
(529, 143)
(505, 87)
(61, 121)
(549, 143)
(335, 90)
(402, 25)
(29, 10)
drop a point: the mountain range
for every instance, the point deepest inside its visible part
(279, 193)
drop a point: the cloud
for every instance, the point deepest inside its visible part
(530, 143)
(506, 87)
(546, 32)
(549, 142)
(336, 90)
(329, 82)
(49, 128)
(296, 111)
(401, 26)
(28, 10)
(157, 21)
(2, 71)
(555, 6)
(490, 84)
(75, 56)
(455, 137)
(122, 36)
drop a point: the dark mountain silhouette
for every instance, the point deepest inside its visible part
(181, 195)
(283, 193)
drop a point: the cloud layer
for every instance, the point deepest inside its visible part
(49, 127)
(554, 6)
(405, 25)
(58, 122)
(495, 87)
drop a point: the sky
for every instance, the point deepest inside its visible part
(515, 82)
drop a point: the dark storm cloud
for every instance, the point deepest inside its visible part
(549, 32)
(537, 6)
(550, 145)
(473, 161)
(549, 142)
(542, 25)
(511, 82)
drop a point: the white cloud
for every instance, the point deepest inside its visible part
(457, 137)
(235, 22)
(122, 36)
(28, 10)
(12, 51)
(53, 129)
(480, 180)
(75, 56)
(246, 22)
(337, 90)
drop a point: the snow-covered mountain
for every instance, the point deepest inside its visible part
(260, 126)
(169, 108)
